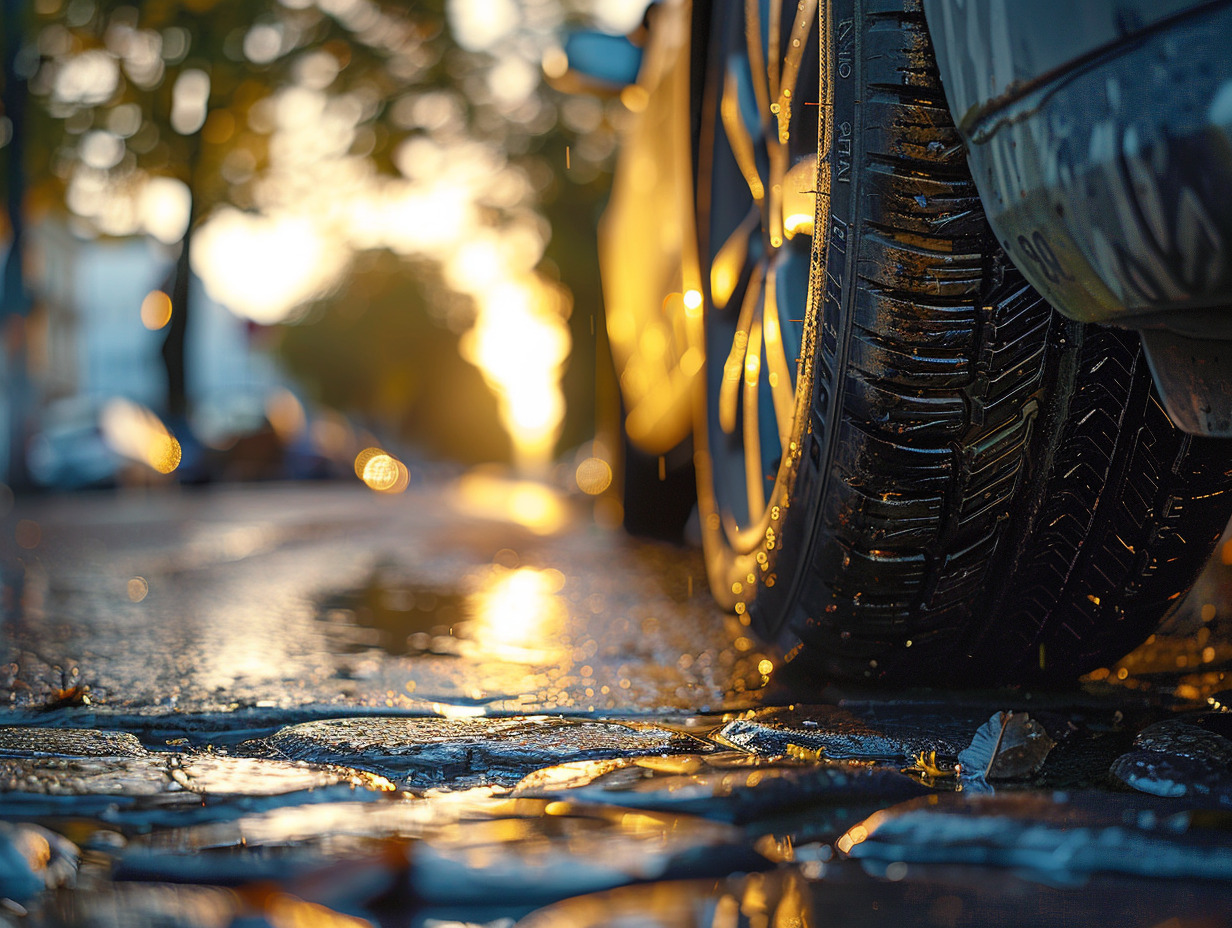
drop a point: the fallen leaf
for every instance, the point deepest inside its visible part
(70, 697)
(1009, 745)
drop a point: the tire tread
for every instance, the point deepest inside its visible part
(1006, 498)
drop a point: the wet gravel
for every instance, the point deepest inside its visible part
(323, 707)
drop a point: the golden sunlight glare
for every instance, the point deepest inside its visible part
(316, 203)
(520, 342)
(452, 711)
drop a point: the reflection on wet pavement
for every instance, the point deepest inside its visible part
(474, 848)
(1059, 839)
(731, 786)
(335, 708)
(434, 751)
(848, 897)
(291, 599)
(164, 788)
(400, 620)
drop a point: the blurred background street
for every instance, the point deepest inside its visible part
(278, 233)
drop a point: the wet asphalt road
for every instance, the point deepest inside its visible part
(315, 705)
(294, 598)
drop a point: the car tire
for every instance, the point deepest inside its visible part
(959, 485)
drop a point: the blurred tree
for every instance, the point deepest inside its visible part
(167, 89)
(413, 129)
(374, 347)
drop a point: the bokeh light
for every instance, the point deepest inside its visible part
(381, 471)
(155, 310)
(136, 433)
(386, 474)
(593, 476)
(138, 589)
(263, 267)
(190, 98)
(27, 533)
(362, 459)
(285, 414)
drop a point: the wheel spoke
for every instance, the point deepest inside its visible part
(754, 477)
(798, 40)
(782, 388)
(774, 213)
(728, 264)
(754, 393)
(729, 390)
(772, 47)
(738, 136)
(757, 57)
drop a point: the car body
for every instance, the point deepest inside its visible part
(1103, 159)
(1103, 156)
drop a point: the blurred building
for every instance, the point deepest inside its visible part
(90, 343)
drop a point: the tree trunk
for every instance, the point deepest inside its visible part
(177, 329)
(181, 300)
(14, 299)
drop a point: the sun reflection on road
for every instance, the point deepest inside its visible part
(518, 616)
(522, 502)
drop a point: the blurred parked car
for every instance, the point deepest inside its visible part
(69, 451)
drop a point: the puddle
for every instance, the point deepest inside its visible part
(1060, 838)
(397, 618)
(473, 849)
(512, 615)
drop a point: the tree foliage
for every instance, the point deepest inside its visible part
(329, 109)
